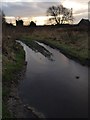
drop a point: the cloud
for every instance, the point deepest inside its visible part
(11, 0)
(30, 8)
(31, 0)
(26, 9)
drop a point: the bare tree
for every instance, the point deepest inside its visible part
(60, 14)
(32, 24)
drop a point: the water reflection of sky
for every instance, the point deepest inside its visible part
(52, 86)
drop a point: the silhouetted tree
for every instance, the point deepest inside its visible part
(60, 14)
(32, 24)
(19, 22)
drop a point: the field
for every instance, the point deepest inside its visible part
(72, 42)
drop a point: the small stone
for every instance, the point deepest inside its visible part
(11, 96)
(24, 105)
(12, 82)
(8, 36)
(25, 63)
(77, 77)
(29, 108)
(17, 98)
(5, 68)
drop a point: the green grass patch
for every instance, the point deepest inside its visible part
(11, 68)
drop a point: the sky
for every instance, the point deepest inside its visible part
(36, 9)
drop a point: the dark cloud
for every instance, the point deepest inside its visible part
(26, 8)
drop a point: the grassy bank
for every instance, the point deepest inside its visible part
(13, 62)
(74, 44)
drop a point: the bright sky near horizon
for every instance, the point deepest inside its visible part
(36, 9)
